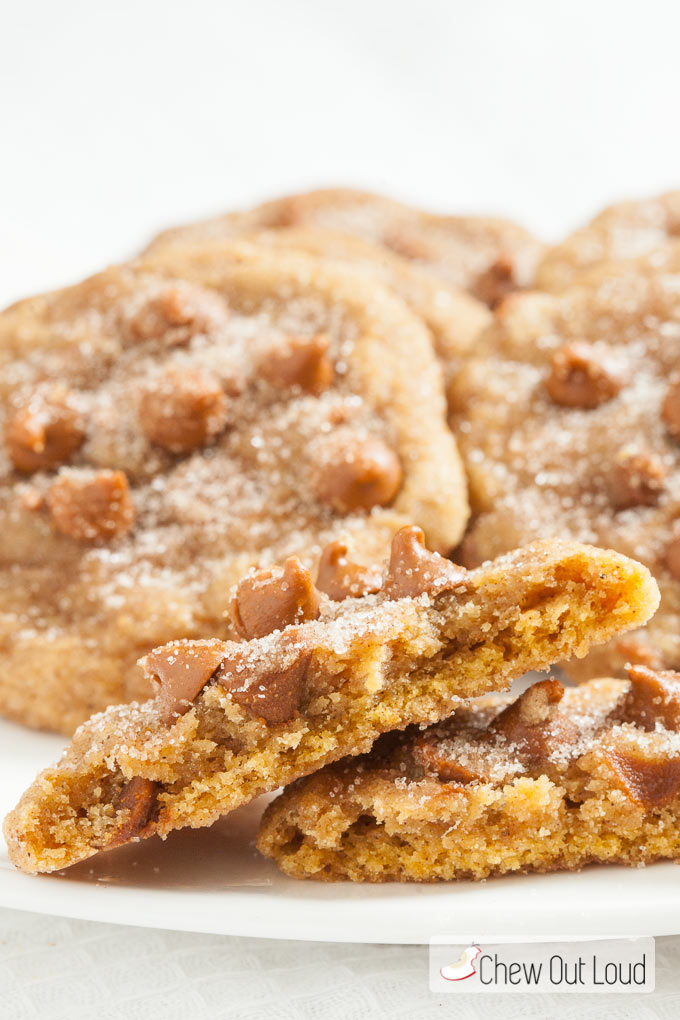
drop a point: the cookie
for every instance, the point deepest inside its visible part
(627, 230)
(489, 257)
(554, 779)
(210, 414)
(569, 421)
(453, 317)
(323, 669)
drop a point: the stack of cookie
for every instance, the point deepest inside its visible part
(210, 450)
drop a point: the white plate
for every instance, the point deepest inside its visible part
(213, 880)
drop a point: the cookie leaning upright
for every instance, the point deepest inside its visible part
(487, 256)
(324, 669)
(171, 423)
(551, 780)
(569, 421)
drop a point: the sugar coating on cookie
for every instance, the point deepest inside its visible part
(454, 317)
(211, 413)
(554, 779)
(487, 256)
(569, 423)
(323, 668)
(623, 231)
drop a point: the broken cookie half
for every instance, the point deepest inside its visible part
(554, 779)
(324, 670)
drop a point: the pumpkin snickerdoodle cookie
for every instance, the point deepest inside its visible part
(323, 670)
(624, 231)
(168, 424)
(552, 780)
(569, 421)
(486, 256)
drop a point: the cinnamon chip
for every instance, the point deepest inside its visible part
(533, 720)
(44, 432)
(670, 410)
(637, 478)
(413, 570)
(340, 578)
(183, 409)
(647, 780)
(583, 376)
(357, 472)
(273, 696)
(672, 557)
(494, 285)
(654, 695)
(177, 313)
(274, 598)
(432, 754)
(182, 669)
(632, 649)
(91, 505)
(138, 799)
(301, 362)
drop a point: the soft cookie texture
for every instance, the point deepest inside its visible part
(554, 779)
(324, 668)
(627, 230)
(569, 421)
(168, 424)
(489, 257)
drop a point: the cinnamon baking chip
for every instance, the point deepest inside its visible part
(649, 781)
(182, 669)
(582, 375)
(91, 505)
(637, 478)
(183, 409)
(654, 696)
(413, 570)
(301, 362)
(44, 432)
(136, 801)
(274, 598)
(357, 472)
(340, 578)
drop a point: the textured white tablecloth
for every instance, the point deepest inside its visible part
(58, 969)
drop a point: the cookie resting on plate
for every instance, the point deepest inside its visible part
(551, 780)
(323, 670)
(487, 256)
(167, 425)
(569, 423)
(627, 230)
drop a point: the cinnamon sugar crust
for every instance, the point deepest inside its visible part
(568, 420)
(623, 231)
(487, 256)
(552, 780)
(453, 317)
(212, 413)
(233, 720)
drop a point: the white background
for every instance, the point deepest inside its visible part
(119, 118)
